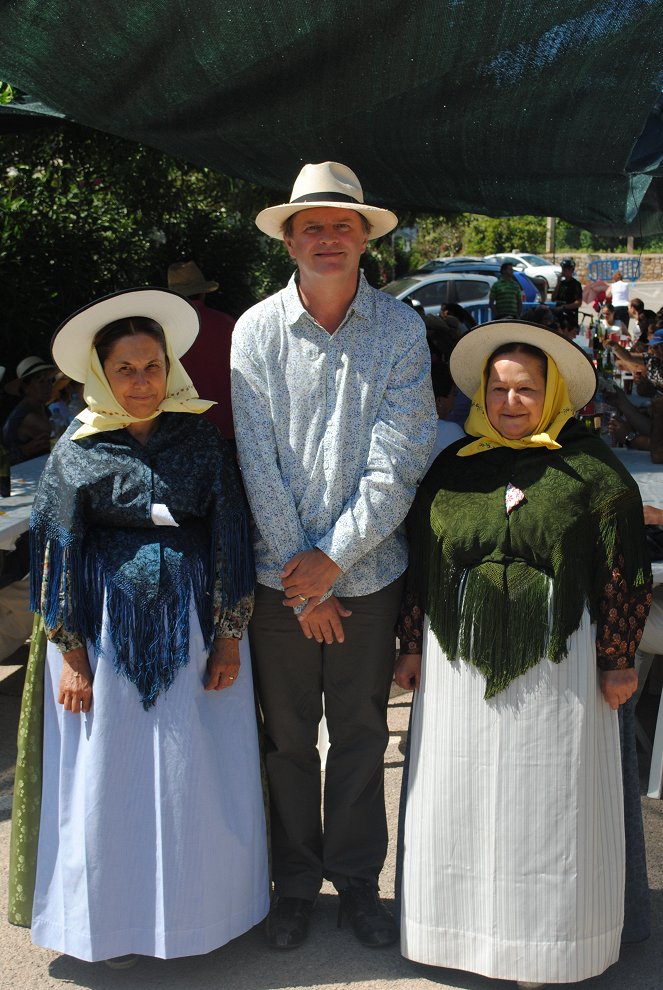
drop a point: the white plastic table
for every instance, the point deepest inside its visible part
(15, 510)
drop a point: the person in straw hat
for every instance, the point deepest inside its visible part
(152, 838)
(334, 419)
(208, 359)
(529, 587)
(27, 430)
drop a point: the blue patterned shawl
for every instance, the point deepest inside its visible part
(94, 544)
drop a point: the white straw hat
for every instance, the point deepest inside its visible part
(470, 354)
(24, 369)
(326, 184)
(72, 341)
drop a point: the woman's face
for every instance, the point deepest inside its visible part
(136, 372)
(515, 394)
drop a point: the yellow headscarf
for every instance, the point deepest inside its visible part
(557, 409)
(104, 412)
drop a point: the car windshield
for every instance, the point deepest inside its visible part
(535, 261)
(401, 285)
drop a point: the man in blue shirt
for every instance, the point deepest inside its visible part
(334, 420)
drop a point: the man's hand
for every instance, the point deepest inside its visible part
(222, 664)
(322, 622)
(617, 686)
(309, 574)
(75, 690)
(407, 671)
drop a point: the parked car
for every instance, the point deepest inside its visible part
(531, 291)
(470, 289)
(531, 264)
(433, 290)
(439, 264)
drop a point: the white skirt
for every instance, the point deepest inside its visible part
(514, 831)
(152, 837)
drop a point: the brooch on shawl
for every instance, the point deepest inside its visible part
(513, 497)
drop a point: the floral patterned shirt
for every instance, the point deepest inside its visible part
(333, 432)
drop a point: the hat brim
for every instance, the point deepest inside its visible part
(14, 387)
(194, 288)
(470, 354)
(72, 341)
(271, 220)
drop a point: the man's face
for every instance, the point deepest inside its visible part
(506, 271)
(567, 271)
(327, 240)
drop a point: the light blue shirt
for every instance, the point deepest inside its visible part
(333, 431)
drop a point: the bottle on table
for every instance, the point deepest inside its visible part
(5, 473)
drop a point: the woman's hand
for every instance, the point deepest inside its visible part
(407, 671)
(222, 664)
(618, 428)
(75, 693)
(653, 516)
(617, 686)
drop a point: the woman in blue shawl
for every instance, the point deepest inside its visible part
(152, 837)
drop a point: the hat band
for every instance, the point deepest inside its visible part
(322, 196)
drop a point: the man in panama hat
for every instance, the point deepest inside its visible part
(334, 419)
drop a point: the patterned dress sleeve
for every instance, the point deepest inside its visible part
(622, 617)
(410, 625)
(64, 639)
(235, 574)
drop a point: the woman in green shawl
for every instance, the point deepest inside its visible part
(528, 572)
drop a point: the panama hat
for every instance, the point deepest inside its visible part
(72, 341)
(186, 279)
(326, 184)
(24, 369)
(470, 354)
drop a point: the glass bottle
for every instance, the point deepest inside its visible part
(5, 474)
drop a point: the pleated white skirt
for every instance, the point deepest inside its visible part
(514, 831)
(152, 837)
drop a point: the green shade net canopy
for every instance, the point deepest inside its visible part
(440, 105)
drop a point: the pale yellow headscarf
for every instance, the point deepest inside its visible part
(104, 412)
(557, 409)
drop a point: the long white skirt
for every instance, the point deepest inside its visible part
(152, 837)
(514, 831)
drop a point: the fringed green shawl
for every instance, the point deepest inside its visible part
(96, 548)
(503, 591)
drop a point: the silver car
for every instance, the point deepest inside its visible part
(432, 291)
(531, 264)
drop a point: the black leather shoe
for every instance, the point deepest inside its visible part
(287, 922)
(373, 925)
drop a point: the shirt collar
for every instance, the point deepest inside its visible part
(362, 305)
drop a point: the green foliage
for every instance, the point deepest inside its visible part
(494, 235)
(84, 213)
(6, 93)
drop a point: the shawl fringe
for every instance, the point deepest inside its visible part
(504, 615)
(150, 638)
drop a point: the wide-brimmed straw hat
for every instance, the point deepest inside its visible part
(473, 350)
(326, 184)
(72, 341)
(186, 279)
(24, 369)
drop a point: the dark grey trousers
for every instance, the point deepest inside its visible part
(292, 674)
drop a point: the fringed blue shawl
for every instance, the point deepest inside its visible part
(94, 544)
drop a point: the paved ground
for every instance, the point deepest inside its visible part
(331, 958)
